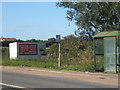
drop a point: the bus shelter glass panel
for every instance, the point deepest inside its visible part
(99, 54)
(99, 46)
(110, 54)
(99, 62)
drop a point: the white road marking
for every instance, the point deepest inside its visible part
(8, 85)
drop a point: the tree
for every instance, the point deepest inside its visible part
(18, 40)
(50, 42)
(93, 17)
(6, 43)
(34, 40)
(31, 40)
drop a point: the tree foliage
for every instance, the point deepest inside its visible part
(93, 17)
(50, 41)
(34, 40)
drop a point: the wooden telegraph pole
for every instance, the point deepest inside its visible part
(58, 38)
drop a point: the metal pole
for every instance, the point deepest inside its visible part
(94, 56)
(59, 62)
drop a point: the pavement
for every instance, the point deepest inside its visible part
(23, 80)
(103, 78)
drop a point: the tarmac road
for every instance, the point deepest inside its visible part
(37, 81)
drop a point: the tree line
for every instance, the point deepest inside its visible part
(48, 42)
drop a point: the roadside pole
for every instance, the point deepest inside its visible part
(59, 61)
(58, 39)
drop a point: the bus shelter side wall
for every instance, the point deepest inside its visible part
(98, 54)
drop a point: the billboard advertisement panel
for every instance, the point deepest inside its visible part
(28, 49)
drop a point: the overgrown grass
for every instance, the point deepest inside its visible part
(45, 64)
(28, 63)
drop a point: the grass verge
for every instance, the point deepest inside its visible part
(44, 64)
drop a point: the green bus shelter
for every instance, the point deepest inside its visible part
(106, 47)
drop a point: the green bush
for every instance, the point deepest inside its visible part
(76, 54)
(4, 52)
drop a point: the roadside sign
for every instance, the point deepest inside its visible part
(58, 38)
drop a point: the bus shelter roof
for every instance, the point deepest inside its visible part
(107, 34)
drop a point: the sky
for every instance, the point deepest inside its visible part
(34, 20)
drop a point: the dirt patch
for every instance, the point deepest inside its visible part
(111, 79)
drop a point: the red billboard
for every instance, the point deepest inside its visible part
(28, 49)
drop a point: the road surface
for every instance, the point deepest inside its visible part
(37, 81)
